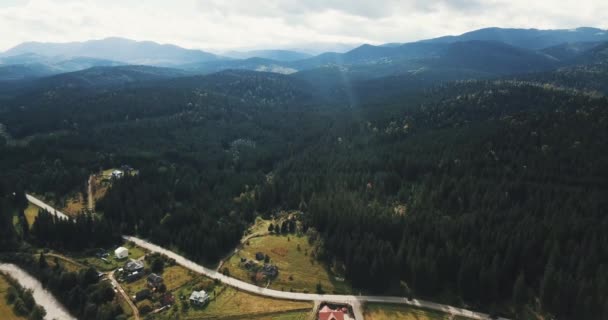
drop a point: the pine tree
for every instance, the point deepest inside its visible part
(520, 293)
(42, 264)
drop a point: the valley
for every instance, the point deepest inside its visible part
(416, 180)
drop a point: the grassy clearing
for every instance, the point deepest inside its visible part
(259, 227)
(230, 303)
(6, 311)
(135, 252)
(297, 271)
(31, 212)
(177, 276)
(376, 311)
(75, 205)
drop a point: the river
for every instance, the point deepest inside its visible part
(54, 309)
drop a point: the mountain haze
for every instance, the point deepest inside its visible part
(117, 49)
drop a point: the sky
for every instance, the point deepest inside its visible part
(221, 25)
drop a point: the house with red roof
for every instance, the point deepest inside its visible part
(327, 313)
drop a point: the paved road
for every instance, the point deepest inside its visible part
(54, 309)
(45, 206)
(348, 299)
(241, 285)
(125, 296)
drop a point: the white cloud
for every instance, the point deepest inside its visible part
(220, 24)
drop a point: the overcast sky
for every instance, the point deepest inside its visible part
(228, 24)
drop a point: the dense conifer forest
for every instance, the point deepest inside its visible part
(486, 193)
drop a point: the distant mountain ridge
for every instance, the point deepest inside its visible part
(534, 39)
(278, 55)
(483, 53)
(117, 49)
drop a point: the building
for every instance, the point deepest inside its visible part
(133, 266)
(167, 299)
(134, 276)
(121, 253)
(154, 280)
(250, 264)
(199, 298)
(143, 294)
(270, 271)
(117, 174)
(327, 313)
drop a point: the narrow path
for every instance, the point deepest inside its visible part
(90, 200)
(124, 295)
(50, 254)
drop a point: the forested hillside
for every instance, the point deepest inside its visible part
(481, 193)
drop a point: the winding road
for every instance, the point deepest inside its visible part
(346, 299)
(244, 286)
(54, 309)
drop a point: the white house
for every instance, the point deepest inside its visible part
(199, 297)
(121, 253)
(117, 174)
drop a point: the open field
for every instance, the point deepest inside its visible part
(376, 311)
(304, 271)
(6, 311)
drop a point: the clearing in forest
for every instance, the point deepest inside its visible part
(292, 254)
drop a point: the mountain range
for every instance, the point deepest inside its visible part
(482, 53)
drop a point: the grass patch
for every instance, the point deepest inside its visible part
(31, 212)
(74, 205)
(6, 311)
(135, 252)
(231, 303)
(131, 288)
(377, 311)
(177, 276)
(297, 270)
(292, 315)
(124, 305)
